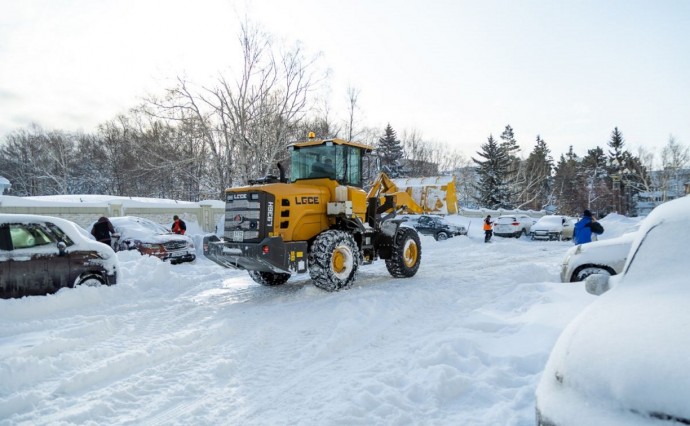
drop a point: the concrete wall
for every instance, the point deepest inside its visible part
(496, 213)
(205, 215)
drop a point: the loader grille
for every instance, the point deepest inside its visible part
(248, 216)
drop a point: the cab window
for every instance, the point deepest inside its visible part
(338, 162)
(313, 162)
(352, 166)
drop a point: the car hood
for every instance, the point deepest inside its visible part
(610, 355)
(604, 252)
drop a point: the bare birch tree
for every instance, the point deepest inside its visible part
(674, 157)
(246, 121)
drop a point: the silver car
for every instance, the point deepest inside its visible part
(598, 257)
(553, 227)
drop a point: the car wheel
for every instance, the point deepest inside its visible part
(90, 280)
(584, 271)
(441, 236)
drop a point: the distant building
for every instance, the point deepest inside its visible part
(4, 185)
(667, 186)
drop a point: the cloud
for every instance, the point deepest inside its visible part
(8, 96)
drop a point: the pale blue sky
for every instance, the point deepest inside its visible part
(454, 70)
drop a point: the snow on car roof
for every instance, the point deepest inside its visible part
(551, 219)
(64, 224)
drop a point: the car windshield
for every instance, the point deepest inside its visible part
(64, 237)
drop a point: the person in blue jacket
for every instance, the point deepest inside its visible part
(582, 233)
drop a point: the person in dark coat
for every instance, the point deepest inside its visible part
(178, 227)
(582, 232)
(103, 230)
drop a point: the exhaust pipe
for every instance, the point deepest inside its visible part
(282, 178)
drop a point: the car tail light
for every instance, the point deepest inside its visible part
(264, 249)
(516, 223)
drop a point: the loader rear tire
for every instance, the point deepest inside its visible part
(333, 260)
(407, 253)
(269, 278)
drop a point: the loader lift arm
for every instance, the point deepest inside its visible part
(387, 191)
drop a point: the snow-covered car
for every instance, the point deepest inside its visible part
(41, 254)
(598, 257)
(153, 239)
(437, 227)
(624, 359)
(553, 227)
(513, 225)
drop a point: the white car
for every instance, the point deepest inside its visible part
(513, 225)
(553, 227)
(624, 359)
(598, 257)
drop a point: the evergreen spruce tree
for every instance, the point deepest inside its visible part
(566, 185)
(492, 190)
(616, 144)
(538, 180)
(625, 170)
(508, 142)
(390, 152)
(514, 173)
(594, 181)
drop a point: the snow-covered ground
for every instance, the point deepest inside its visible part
(462, 343)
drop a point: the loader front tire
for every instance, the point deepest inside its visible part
(333, 260)
(407, 253)
(269, 279)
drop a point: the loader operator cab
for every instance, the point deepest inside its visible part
(334, 159)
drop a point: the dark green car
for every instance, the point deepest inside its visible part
(41, 254)
(437, 227)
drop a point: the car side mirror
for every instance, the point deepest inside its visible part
(597, 284)
(62, 247)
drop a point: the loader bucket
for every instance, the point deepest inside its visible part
(434, 194)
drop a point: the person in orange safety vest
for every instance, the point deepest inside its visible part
(488, 228)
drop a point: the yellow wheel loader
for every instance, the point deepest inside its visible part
(319, 220)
